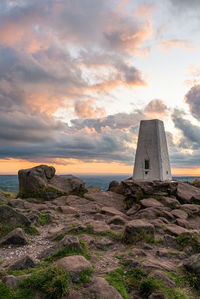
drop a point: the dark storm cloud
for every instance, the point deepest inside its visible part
(191, 4)
(116, 121)
(191, 133)
(192, 98)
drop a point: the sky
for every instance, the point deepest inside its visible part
(78, 76)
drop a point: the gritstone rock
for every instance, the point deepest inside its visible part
(41, 182)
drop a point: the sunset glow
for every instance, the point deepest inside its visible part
(76, 78)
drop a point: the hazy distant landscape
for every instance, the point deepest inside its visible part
(10, 182)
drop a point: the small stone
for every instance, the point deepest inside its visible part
(99, 227)
(176, 229)
(111, 211)
(150, 203)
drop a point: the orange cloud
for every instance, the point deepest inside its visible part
(144, 10)
(87, 109)
(167, 45)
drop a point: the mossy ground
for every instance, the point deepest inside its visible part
(128, 279)
(44, 219)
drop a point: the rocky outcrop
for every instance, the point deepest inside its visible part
(136, 190)
(109, 243)
(41, 182)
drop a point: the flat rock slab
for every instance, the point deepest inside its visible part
(99, 227)
(179, 214)
(191, 208)
(109, 199)
(68, 210)
(176, 229)
(74, 265)
(100, 288)
(158, 264)
(169, 201)
(111, 211)
(150, 202)
(76, 201)
(186, 192)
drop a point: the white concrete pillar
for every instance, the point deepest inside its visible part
(152, 159)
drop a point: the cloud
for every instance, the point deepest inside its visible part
(192, 98)
(87, 109)
(191, 133)
(176, 43)
(157, 106)
(61, 54)
(186, 3)
(116, 121)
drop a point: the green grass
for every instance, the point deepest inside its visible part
(68, 252)
(139, 236)
(32, 230)
(44, 219)
(187, 239)
(117, 279)
(85, 276)
(149, 285)
(3, 202)
(52, 281)
(7, 293)
(5, 229)
(127, 279)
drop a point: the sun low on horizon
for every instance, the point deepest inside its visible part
(77, 77)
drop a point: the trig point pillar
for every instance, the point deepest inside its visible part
(152, 159)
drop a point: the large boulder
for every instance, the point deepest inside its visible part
(41, 182)
(10, 217)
